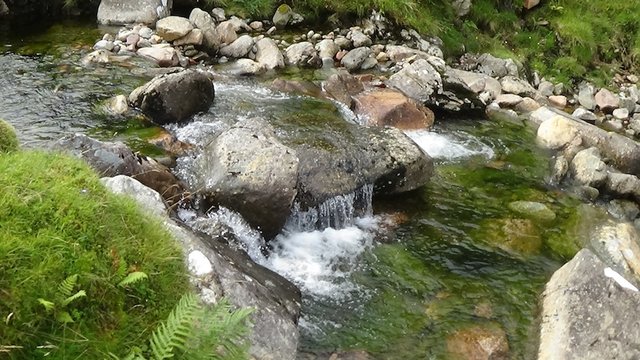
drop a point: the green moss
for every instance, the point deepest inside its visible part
(8, 138)
(57, 220)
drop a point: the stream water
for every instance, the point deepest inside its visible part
(395, 276)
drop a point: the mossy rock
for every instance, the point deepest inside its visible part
(519, 236)
(8, 138)
(284, 8)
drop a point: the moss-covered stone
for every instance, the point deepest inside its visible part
(8, 138)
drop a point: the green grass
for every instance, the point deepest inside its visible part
(56, 221)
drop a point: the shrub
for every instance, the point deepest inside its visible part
(8, 138)
(62, 233)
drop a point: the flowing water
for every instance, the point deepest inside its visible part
(393, 276)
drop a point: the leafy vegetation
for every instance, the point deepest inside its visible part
(83, 274)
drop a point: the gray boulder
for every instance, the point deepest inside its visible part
(588, 169)
(359, 39)
(283, 16)
(173, 27)
(122, 12)
(112, 159)
(227, 32)
(249, 170)
(496, 67)
(327, 49)
(174, 97)
(514, 85)
(589, 312)
(418, 80)
(268, 54)
(586, 96)
(148, 199)
(203, 21)
(302, 54)
(247, 67)
(239, 48)
(355, 58)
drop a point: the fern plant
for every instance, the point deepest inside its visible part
(64, 297)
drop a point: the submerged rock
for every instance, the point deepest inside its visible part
(174, 97)
(479, 342)
(533, 210)
(589, 312)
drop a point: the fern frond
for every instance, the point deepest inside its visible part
(176, 330)
(48, 305)
(66, 287)
(72, 298)
(133, 278)
(63, 317)
(225, 332)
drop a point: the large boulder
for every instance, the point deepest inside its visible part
(342, 87)
(283, 16)
(174, 97)
(418, 80)
(203, 21)
(164, 56)
(588, 169)
(121, 12)
(249, 170)
(112, 159)
(589, 312)
(387, 107)
(218, 270)
(302, 54)
(239, 48)
(355, 58)
(268, 54)
(173, 27)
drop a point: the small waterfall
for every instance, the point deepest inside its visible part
(451, 147)
(338, 212)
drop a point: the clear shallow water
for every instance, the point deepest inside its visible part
(395, 281)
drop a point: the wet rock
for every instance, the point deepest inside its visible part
(164, 56)
(586, 97)
(418, 80)
(556, 132)
(173, 27)
(520, 236)
(355, 58)
(479, 343)
(302, 54)
(203, 21)
(386, 107)
(587, 168)
(342, 86)
(249, 170)
(122, 12)
(559, 168)
(533, 210)
(624, 210)
(170, 144)
(117, 105)
(588, 312)
(585, 115)
(174, 97)
(112, 159)
(103, 45)
(226, 32)
(607, 101)
(268, 54)
(307, 88)
(194, 37)
(239, 48)
(514, 85)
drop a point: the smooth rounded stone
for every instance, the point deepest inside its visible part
(418, 80)
(613, 124)
(122, 12)
(342, 86)
(545, 88)
(218, 14)
(145, 32)
(589, 312)
(387, 107)
(117, 105)
(527, 105)
(247, 67)
(556, 132)
(585, 115)
(226, 32)
(558, 101)
(194, 37)
(268, 54)
(164, 56)
(354, 58)
(173, 27)
(174, 97)
(621, 114)
(359, 39)
(586, 96)
(283, 15)
(103, 45)
(514, 85)
(532, 210)
(114, 158)
(239, 48)
(147, 198)
(607, 101)
(249, 170)
(203, 21)
(327, 49)
(303, 55)
(479, 342)
(256, 25)
(588, 169)
(508, 100)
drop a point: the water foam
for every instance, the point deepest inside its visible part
(450, 147)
